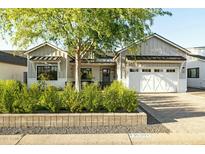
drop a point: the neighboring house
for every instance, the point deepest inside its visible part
(159, 65)
(196, 68)
(59, 67)
(12, 67)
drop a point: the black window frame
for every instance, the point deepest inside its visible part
(171, 70)
(190, 75)
(45, 70)
(87, 78)
(134, 70)
(158, 70)
(146, 70)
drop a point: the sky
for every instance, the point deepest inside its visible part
(186, 27)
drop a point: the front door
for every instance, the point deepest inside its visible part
(106, 75)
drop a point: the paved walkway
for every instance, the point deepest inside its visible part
(179, 112)
(103, 139)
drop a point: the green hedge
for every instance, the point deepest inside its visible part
(16, 98)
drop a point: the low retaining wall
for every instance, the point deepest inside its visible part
(73, 119)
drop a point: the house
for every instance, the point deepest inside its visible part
(59, 67)
(12, 67)
(196, 68)
(155, 65)
(158, 65)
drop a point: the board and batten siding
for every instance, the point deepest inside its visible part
(157, 47)
(153, 47)
(48, 51)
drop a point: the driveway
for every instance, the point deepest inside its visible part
(179, 112)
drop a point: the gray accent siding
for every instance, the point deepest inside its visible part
(157, 47)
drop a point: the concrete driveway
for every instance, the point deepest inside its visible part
(179, 112)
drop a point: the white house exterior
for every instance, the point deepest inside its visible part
(48, 58)
(12, 67)
(159, 65)
(196, 68)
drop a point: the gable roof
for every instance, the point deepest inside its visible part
(44, 44)
(159, 37)
(49, 44)
(12, 59)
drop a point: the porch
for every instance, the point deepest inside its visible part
(100, 73)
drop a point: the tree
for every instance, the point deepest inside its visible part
(79, 30)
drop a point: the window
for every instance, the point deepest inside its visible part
(170, 70)
(146, 70)
(133, 70)
(47, 72)
(193, 73)
(158, 70)
(86, 74)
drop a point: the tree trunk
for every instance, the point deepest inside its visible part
(77, 71)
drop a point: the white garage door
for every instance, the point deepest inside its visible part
(154, 79)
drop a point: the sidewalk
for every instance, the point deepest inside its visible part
(104, 139)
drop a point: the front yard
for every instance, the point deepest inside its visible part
(40, 97)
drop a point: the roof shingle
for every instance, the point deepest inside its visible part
(12, 59)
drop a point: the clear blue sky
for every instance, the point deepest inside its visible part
(185, 27)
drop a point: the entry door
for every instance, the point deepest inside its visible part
(106, 75)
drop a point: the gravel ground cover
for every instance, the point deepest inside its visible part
(153, 126)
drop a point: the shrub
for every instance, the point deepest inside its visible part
(91, 97)
(35, 93)
(50, 99)
(129, 100)
(112, 96)
(2, 104)
(118, 97)
(23, 102)
(71, 99)
(11, 92)
(16, 98)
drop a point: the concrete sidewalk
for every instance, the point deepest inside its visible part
(104, 139)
